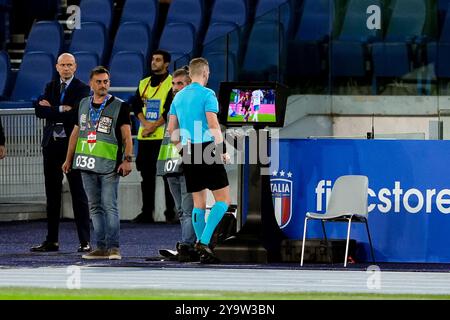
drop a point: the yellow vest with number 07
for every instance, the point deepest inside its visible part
(154, 99)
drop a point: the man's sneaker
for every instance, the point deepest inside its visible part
(96, 254)
(114, 254)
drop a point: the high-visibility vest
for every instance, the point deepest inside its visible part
(101, 156)
(154, 99)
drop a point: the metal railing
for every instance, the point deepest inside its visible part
(21, 172)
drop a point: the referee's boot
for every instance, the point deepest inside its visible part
(187, 253)
(206, 253)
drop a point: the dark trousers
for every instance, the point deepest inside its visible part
(54, 156)
(146, 159)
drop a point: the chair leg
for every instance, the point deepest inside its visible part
(303, 243)
(348, 241)
(329, 251)
(370, 241)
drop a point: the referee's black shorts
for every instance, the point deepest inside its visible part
(202, 168)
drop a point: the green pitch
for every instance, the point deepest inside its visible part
(261, 118)
(104, 294)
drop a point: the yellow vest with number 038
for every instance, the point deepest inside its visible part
(158, 93)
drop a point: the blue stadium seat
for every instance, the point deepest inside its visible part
(145, 11)
(348, 59)
(228, 17)
(234, 11)
(86, 61)
(100, 11)
(90, 37)
(178, 39)
(264, 6)
(407, 21)
(36, 69)
(391, 60)
(438, 53)
(264, 55)
(220, 69)
(307, 51)
(406, 25)
(5, 74)
(127, 69)
(187, 11)
(349, 52)
(45, 36)
(315, 21)
(133, 36)
(276, 10)
(222, 36)
(354, 26)
(445, 30)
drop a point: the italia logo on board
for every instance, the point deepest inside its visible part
(281, 186)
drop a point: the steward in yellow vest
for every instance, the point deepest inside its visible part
(151, 104)
(153, 99)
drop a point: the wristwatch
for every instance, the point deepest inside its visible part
(128, 158)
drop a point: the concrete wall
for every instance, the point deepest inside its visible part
(402, 117)
(385, 127)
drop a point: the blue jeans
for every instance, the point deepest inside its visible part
(184, 205)
(102, 191)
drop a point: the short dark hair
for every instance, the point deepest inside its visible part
(99, 70)
(180, 72)
(165, 54)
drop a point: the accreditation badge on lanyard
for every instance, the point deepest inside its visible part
(152, 110)
(94, 116)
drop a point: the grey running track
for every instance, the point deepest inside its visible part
(245, 280)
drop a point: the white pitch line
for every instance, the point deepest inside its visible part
(248, 280)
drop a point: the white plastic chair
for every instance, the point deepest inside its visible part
(348, 203)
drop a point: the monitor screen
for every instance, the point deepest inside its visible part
(246, 104)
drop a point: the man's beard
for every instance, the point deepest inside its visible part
(157, 71)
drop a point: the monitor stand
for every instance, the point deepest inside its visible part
(260, 237)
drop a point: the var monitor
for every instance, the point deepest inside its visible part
(259, 104)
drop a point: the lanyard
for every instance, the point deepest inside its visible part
(94, 114)
(156, 91)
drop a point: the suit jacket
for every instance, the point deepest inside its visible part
(2, 134)
(76, 91)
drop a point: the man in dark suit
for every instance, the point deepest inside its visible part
(59, 106)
